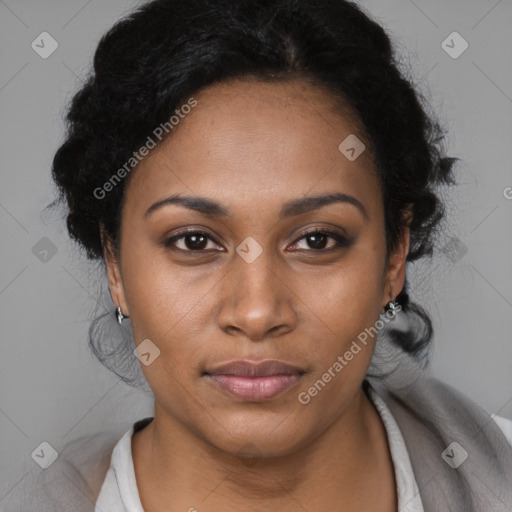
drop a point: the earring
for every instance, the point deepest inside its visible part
(393, 307)
(119, 315)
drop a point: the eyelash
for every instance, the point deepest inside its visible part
(342, 242)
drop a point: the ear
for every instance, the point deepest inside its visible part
(115, 281)
(396, 266)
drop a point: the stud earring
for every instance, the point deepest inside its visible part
(119, 315)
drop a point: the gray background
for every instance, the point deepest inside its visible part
(51, 388)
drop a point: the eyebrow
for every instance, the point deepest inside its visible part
(291, 208)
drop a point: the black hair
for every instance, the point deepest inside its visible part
(153, 60)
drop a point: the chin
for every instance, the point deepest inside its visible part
(258, 437)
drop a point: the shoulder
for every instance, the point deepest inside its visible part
(440, 407)
(90, 457)
(72, 482)
(443, 430)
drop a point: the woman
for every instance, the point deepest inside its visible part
(256, 175)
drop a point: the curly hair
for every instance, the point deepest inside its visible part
(167, 50)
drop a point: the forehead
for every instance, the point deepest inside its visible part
(249, 142)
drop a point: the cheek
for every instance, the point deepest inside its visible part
(344, 306)
(345, 297)
(169, 305)
(157, 292)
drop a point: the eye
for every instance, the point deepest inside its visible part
(197, 241)
(317, 240)
(192, 241)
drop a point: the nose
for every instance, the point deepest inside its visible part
(257, 300)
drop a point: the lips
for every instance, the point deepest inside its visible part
(254, 381)
(246, 368)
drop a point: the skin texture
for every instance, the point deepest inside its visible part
(253, 146)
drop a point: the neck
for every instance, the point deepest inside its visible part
(325, 470)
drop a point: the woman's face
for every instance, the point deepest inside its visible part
(255, 288)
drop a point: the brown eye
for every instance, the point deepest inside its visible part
(190, 241)
(318, 241)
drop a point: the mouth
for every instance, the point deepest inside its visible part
(254, 381)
